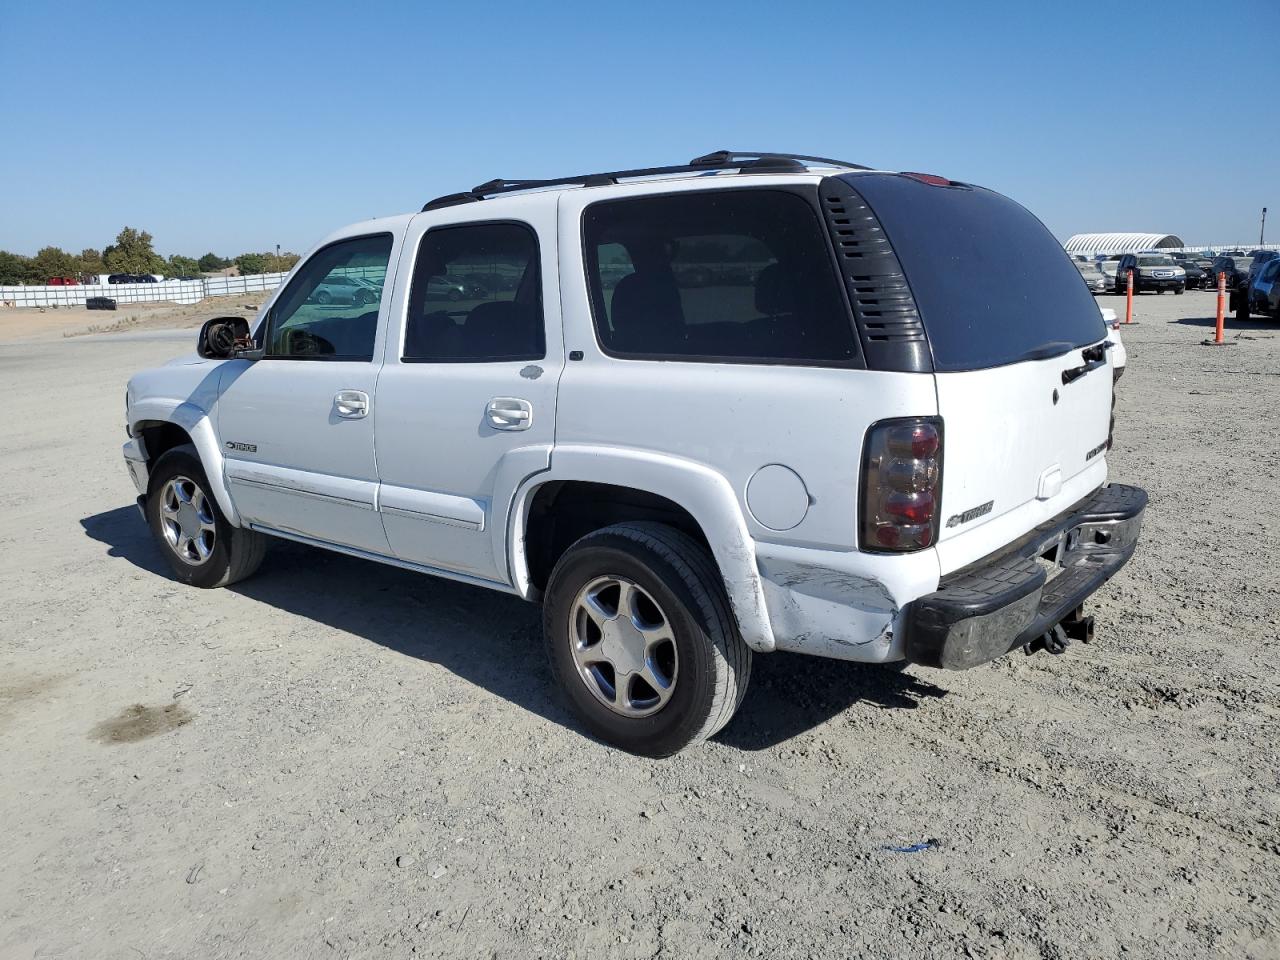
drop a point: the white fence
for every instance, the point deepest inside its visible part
(175, 291)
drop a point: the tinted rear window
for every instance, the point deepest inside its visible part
(992, 284)
(725, 275)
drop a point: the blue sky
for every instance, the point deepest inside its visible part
(252, 124)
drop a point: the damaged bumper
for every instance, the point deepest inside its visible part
(1031, 592)
(135, 460)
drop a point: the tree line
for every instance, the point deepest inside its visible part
(132, 252)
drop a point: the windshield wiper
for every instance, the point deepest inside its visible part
(1094, 357)
(1047, 350)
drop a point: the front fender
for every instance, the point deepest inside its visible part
(707, 496)
(195, 420)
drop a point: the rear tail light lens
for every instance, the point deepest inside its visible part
(901, 485)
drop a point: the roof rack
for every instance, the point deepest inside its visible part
(761, 162)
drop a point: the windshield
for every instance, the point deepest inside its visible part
(992, 284)
(1155, 262)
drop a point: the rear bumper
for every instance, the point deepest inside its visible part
(1008, 601)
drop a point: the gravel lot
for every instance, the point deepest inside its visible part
(341, 759)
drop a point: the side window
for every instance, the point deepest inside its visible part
(727, 275)
(476, 296)
(329, 311)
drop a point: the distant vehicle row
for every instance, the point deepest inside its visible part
(1247, 275)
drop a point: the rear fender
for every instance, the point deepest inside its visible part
(703, 492)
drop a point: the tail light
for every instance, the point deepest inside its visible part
(901, 485)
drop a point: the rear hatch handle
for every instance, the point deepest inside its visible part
(1094, 357)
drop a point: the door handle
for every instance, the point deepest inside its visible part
(509, 413)
(351, 404)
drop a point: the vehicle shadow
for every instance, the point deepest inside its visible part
(791, 694)
(1233, 326)
(494, 640)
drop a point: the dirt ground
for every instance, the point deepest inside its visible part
(341, 759)
(47, 323)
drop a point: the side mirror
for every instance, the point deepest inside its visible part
(223, 338)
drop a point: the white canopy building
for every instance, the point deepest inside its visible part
(1122, 242)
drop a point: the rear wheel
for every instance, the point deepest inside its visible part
(641, 638)
(202, 548)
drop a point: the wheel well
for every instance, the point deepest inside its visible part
(158, 437)
(563, 511)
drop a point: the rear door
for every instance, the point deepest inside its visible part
(1018, 349)
(466, 405)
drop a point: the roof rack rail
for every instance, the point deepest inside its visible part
(719, 160)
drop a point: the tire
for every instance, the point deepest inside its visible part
(217, 554)
(676, 590)
(324, 296)
(1179, 291)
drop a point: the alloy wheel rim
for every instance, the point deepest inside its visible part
(623, 646)
(187, 521)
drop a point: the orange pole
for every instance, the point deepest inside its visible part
(1222, 306)
(1128, 303)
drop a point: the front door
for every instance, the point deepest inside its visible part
(297, 425)
(466, 401)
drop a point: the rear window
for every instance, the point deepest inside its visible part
(992, 284)
(727, 275)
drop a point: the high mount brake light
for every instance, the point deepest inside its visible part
(931, 179)
(901, 485)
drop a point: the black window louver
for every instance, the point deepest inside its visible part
(884, 310)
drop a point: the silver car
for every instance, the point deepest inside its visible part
(1093, 276)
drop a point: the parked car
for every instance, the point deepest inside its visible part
(1235, 266)
(1151, 271)
(1197, 278)
(1258, 260)
(684, 476)
(344, 289)
(1258, 296)
(63, 282)
(1093, 276)
(1108, 267)
(1197, 269)
(455, 289)
(131, 278)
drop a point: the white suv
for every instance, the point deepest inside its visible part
(745, 404)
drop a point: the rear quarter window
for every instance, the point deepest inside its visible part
(727, 275)
(993, 286)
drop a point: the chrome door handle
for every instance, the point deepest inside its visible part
(509, 413)
(351, 404)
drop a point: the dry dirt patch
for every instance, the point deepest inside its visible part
(48, 323)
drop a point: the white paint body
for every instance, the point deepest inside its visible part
(766, 458)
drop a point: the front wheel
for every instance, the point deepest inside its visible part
(1242, 307)
(202, 548)
(642, 640)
